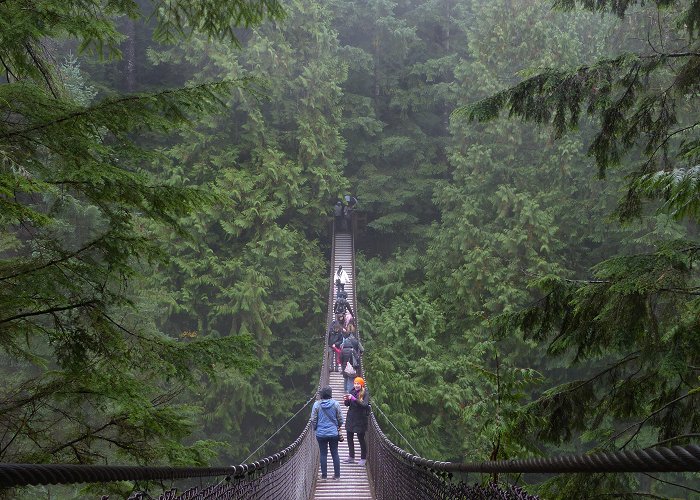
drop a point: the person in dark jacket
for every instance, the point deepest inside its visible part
(342, 308)
(335, 339)
(357, 419)
(350, 353)
(338, 213)
(327, 419)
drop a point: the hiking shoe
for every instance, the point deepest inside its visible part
(362, 461)
(324, 477)
(336, 477)
(350, 460)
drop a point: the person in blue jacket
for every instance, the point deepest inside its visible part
(327, 419)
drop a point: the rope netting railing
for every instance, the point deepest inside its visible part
(398, 474)
(288, 474)
(285, 474)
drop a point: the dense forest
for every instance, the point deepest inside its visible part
(529, 191)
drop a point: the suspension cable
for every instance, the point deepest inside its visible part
(282, 427)
(398, 431)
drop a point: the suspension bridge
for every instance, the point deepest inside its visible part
(390, 472)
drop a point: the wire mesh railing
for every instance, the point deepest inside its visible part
(398, 474)
(394, 473)
(285, 474)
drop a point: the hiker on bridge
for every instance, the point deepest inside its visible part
(335, 340)
(350, 357)
(348, 210)
(341, 279)
(338, 213)
(343, 311)
(357, 419)
(327, 420)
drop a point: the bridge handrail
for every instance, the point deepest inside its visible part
(17, 475)
(12, 475)
(656, 459)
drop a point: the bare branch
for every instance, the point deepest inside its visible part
(87, 303)
(53, 262)
(641, 423)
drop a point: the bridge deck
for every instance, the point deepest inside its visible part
(353, 482)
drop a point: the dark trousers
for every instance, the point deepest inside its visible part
(335, 359)
(323, 444)
(363, 445)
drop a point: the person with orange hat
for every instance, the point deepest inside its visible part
(357, 419)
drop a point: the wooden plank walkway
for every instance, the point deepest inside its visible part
(353, 483)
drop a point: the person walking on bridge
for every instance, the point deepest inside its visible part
(335, 340)
(338, 213)
(327, 420)
(350, 351)
(357, 419)
(341, 278)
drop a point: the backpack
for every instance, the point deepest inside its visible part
(335, 337)
(339, 307)
(349, 351)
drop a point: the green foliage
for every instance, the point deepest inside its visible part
(452, 397)
(254, 265)
(397, 99)
(87, 375)
(628, 334)
(643, 99)
(534, 359)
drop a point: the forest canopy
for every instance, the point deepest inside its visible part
(527, 176)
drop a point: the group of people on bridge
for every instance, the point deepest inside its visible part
(342, 211)
(342, 334)
(326, 415)
(327, 419)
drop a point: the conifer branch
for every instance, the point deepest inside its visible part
(89, 433)
(683, 291)
(641, 423)
(42, 69)
(681, 436)
(8, 71)
(626, 359)
(37, 392)
(671, 483)
(106, 105)
(49, 311)
(129, 332)
(667, 138)
(53, 262)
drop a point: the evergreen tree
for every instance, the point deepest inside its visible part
(633, 323)
(86, 375)
(253, 268)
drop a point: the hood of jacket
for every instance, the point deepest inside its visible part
(328, 419)
(327, 404)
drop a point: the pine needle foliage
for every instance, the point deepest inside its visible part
(641, 99)
(86, 373)
(630, 332)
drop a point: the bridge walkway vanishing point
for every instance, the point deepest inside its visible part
(353, 482)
